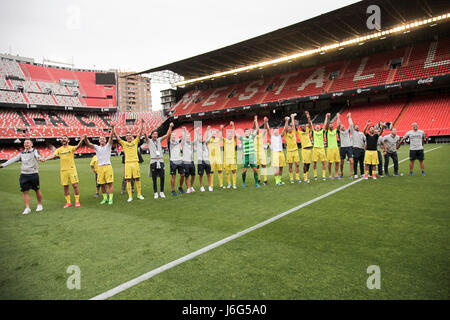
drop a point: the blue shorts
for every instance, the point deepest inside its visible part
(416, 155)
(346, 152)
(176, 167)
(29, 181)
(189, 169)
(203, 166)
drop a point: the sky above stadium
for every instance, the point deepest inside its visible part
(135, 35)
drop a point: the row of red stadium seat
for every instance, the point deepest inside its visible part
(422, 60)
(37, 79)
(432, 115)
(47, 125)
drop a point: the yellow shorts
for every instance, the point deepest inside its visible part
(69, 176)
(371, 157)
(132, 170)
(292, 156)
(261, 158)
(278, 159)
(307, 155)
(230, 166)
(105, 174)
(319, 154)
(216, 165)
(333, 155)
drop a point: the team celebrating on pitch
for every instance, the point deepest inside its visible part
(318, 144)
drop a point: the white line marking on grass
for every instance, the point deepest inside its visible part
(170, 265)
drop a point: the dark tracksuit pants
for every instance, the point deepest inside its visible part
(157, 172)
(358, 157)
(394, 157)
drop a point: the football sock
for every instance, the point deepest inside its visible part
(77, 198)
(305, 176)
(105, 196)
(315, 172)
(324, 173)
(234, 178)
(129, 189)
(67, 198)
(255, 175)
(291, 175)
(138, 187)
(297, 176)
(243, 177)
(264, 170)
(228, 177)
(111, 196)
(221, 179)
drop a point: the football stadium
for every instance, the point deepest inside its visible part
(307, 163)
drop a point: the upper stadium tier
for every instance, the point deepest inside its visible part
(401, 67)
(32, 84)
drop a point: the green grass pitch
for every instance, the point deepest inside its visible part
(321, 251)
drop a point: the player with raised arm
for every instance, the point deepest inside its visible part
(332, 148)
(371, 155)
(346, 147)
(132, 168)
(215, 156)
(105, 173)
(68, 170)
(304, 133)
(261, 156)
(176, 162)
(276, 143)
(249, 157)
(416, 151)
(290, 135)
(358, 145)
(157, 160)
(188, 160)
(318, 148)
(29, 174)
(229, 154)
(203, 164)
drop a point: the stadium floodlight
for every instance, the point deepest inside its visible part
(380, 35)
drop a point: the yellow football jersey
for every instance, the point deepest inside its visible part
(130, 149)
(305, 138)
(214, 147)
(229, 150)
(259, 142)
(66, 155)
(291, 141)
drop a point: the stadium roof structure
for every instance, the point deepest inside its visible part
(332, 27)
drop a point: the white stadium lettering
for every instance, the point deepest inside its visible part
(317, 77)
(358, 75)
(431, 56)
(214, 95)
(285, 78)
(251, 90)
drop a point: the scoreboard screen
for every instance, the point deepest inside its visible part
(108, 78)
